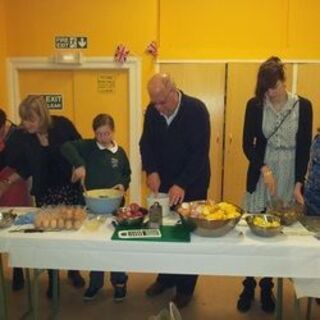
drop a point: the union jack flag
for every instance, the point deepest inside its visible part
(152, 48)
(121, 54)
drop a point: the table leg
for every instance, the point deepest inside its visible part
(35, 294)
(279, 299)
(55, 288)
(29, 312)
(297, 309)
(309, 306)
(3, 295)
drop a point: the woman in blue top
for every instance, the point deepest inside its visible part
(312, 184)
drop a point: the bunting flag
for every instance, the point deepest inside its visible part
(152, 48)
(121, 54)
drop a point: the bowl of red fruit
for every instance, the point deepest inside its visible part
(132, 215)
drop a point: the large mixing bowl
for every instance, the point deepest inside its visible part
(266, 229)
(209, 228)
(210, 223)
(288, 214)
(103, 201)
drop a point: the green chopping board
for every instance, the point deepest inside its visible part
(177, 233)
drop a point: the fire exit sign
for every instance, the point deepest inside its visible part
(54, 101)
(66, 42)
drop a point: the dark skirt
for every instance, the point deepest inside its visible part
(69, 194)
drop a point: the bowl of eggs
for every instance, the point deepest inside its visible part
(60, 218)
(209, 219)
(264, 225)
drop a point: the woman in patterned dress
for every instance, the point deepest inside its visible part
(276, 140)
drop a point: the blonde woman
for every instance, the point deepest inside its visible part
(39, 157)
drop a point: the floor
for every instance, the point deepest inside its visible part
(215, 298)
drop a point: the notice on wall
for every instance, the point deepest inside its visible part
(54, 101)
(72, 42)
(106, 82)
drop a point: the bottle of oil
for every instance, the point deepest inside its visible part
(155, 216)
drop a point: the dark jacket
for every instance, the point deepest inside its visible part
(254, 142)
(179, 152)
(46, 165)
(11, 148)
(104, 168)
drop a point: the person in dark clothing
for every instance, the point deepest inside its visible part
(13, 194)
(312, 184)
(38, 156)
(100, 163)
(174, 149)
(276, 141)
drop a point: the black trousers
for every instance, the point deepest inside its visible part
(185, 284)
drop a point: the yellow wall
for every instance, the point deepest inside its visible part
(186, 28)
(3, 42)
(239, 29)
(33, 24)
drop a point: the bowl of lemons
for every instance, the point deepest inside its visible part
(264, 225)
(209, 219)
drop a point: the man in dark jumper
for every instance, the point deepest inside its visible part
(174, 148)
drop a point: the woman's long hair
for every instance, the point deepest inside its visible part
(270, 72)
(35, 104)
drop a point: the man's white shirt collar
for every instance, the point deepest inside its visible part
(172, 116)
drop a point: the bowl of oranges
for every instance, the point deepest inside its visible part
(209, 219)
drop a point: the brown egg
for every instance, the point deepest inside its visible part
(53, 223)
(79, 214)
(45, 223)
(77, 224)
(60, 223)
(69, 213)
(38, 222)
(68, 224)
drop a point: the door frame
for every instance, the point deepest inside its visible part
(133, 65)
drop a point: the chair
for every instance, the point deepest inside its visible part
(309, 288)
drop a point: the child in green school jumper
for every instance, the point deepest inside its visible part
(100, 163)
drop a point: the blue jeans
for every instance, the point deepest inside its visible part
(116, 278)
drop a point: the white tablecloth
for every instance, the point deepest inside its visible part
(239, 253)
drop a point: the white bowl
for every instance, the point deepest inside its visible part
(103, 201)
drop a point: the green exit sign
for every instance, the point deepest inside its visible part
(54, 101)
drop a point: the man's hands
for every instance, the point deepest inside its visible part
(153, 182)
(176, 195)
